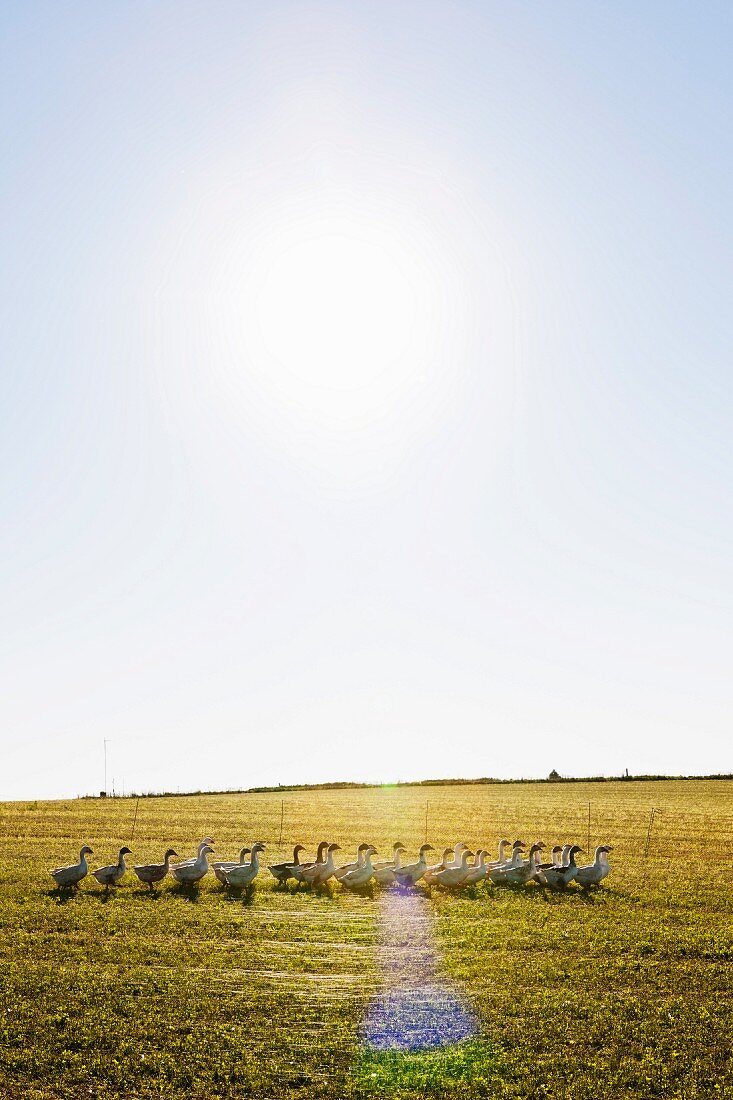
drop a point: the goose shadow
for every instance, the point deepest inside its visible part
(586, 897)
(247, 896)
(551, 897)
(366, 891)
(188, 893)
(60, 895)
(102, 896)
(242, 895)
(609, 891)
(142, 892)
(568, 896)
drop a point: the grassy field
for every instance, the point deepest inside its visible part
(626, 993)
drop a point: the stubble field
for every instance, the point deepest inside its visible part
(622, 993)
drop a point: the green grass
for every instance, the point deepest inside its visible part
(626, 993)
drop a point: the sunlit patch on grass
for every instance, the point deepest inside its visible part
(415, 1010)
(419, 1018)
(424, 1073)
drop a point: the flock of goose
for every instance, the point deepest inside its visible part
(454, 871)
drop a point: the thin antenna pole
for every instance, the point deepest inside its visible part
(588, 848)
(134, 822)
(282, 818)
(427, 805)
(105, 765)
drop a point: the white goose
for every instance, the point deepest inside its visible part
(189, 873)
(220, 869)
(190, 862)
(594, 873)
(526, 870)
(154, 872)
(66, 877)
(478, 872)
(432, 871)
(360, 875)
(458, 851)
(503, 845)
(557, 878)
(346, 868)
(555, 859)
(245, 873)
(413, 872)
(110, 876)
(398, 847)
(496, 875)
(385, 873)
(319, 873)
(452, 875)
(301, 867)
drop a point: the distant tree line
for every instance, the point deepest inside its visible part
(553, 777)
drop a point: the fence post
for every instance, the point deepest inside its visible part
(134, 822)
(427, 804)
(282, 818)
(652, 815)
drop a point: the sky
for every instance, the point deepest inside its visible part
(365, 394)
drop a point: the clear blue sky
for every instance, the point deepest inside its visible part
(366, 392)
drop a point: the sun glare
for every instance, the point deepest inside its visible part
(337, 312)
(342, 320)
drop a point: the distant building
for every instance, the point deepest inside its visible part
(554, 775)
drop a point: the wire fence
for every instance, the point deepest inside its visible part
(647, 830)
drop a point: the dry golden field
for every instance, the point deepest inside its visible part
(622, 993)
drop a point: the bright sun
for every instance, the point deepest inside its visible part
(342, 320)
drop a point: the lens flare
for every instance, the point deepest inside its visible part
(415, 1010)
